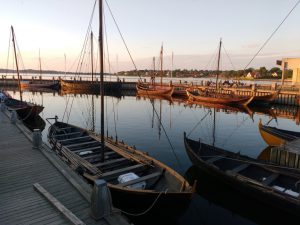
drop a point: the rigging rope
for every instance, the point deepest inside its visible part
(228, 56)
(269, 38)
(131, 58)
(197, 124)
(121, 36)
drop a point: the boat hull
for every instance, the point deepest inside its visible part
(156, 205)
(25, 110)
(224, 99)
(245, 186)
(159, 90)
(163, 190)
(276, 137)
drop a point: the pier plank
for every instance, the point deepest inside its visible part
(21, 166)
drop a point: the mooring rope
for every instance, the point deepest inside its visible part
(148, 209)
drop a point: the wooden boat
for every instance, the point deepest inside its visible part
(33, 85)
(153, 89)
(180, 90)
(262, 98)
(24, 109)
(217, 98)
(151, 180)
(232, 206)
(266, 183)
(88, 87)
(276, 137)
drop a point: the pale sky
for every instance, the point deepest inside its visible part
(190, 28)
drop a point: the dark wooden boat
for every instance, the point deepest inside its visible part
(180, 90)
(33, 85)
(264, 98)
(266, 183)
(152, 179)
(217, 98)
(24, 109)
(276, 137)
(154, 89)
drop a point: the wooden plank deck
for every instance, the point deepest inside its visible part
(21, 166)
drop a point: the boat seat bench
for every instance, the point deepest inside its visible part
(83, 143)
(97, 155)
(239, 168)
(147, 177)
(214, 159)
(115, 173)
(74, 139)
(270, 179)
(86, 149)
(108, 162)
(67, 134)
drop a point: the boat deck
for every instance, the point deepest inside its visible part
(24, 171)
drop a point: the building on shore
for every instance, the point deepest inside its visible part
(293, 64)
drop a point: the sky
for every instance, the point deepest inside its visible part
(191, 29)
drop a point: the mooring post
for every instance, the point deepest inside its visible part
(101, 204)
(2, 107)
(36, 139)
(13, 117)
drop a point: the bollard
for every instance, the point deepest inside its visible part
(13, 117)
(101, 204)
(2, 107)
(36, 139)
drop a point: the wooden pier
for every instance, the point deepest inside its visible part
(36, 187)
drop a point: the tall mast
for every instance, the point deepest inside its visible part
(92, 57)
(101, 75)
(161, 63)
(172, 65)
(40, 64)
(219, 55)
(153, 71)
(16, 60)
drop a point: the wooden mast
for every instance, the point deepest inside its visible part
(16, 60)
(101, 75)
(92, 57)
(153, 80)
(40, 63)
(161, 63)
(92, 65)
(219, 55)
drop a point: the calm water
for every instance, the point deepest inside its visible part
(133, 120)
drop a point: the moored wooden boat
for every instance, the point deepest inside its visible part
(276, 137)
(150, 180)
(78, 85)
(24, 109)
(180, 90)
(154, 89)
(274, 186)
(265, 98)
(217, 98)
(38, 84)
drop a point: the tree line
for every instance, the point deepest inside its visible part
(260, 73)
